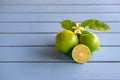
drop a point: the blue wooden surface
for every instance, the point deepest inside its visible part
(28, 29)
(48, 39)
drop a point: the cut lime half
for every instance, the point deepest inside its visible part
(81, 53)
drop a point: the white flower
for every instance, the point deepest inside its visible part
(77, 28)
(77, 31)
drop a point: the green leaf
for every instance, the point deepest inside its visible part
(68, 24)
(95, 25)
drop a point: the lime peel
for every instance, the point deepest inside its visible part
(65, 41)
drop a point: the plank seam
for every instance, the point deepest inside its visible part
(28, 32)
(27, 45)
(58, 12)
(23, 4)
(49, 45)
(48, 21)
(53, 32)
(63, 61)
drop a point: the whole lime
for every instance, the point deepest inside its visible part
(90, 40)
(65, 41)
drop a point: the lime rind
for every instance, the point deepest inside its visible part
(65, 41)
(91, 40)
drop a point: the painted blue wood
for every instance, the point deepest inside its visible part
(59, 71)
(42, 27)
(57, 17)
(60, 8)
(30, 27)
(31, 54)
(60, 2)
(27, 32)
(27, 39)
(50, 54)
(48, 39)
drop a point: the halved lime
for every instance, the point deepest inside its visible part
(81, 53)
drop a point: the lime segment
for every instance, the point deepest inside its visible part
(81, 53)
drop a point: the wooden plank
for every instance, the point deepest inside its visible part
(59, 8)
(42, 27)
(56, 71)
(27, 39)
(59, 2)
(31, 54)
(30, 27)
(50, 54)
(48, 39)
(57, 17)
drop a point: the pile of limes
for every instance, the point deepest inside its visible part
(77, 41)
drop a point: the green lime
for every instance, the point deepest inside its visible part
(65, 41)
(81, 53)
(90, 40)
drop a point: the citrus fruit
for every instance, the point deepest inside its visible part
(65, 41)
(90, 40)
(81, 53)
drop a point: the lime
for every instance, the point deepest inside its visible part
(65, 41)
(81, 53)
(90, 40)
